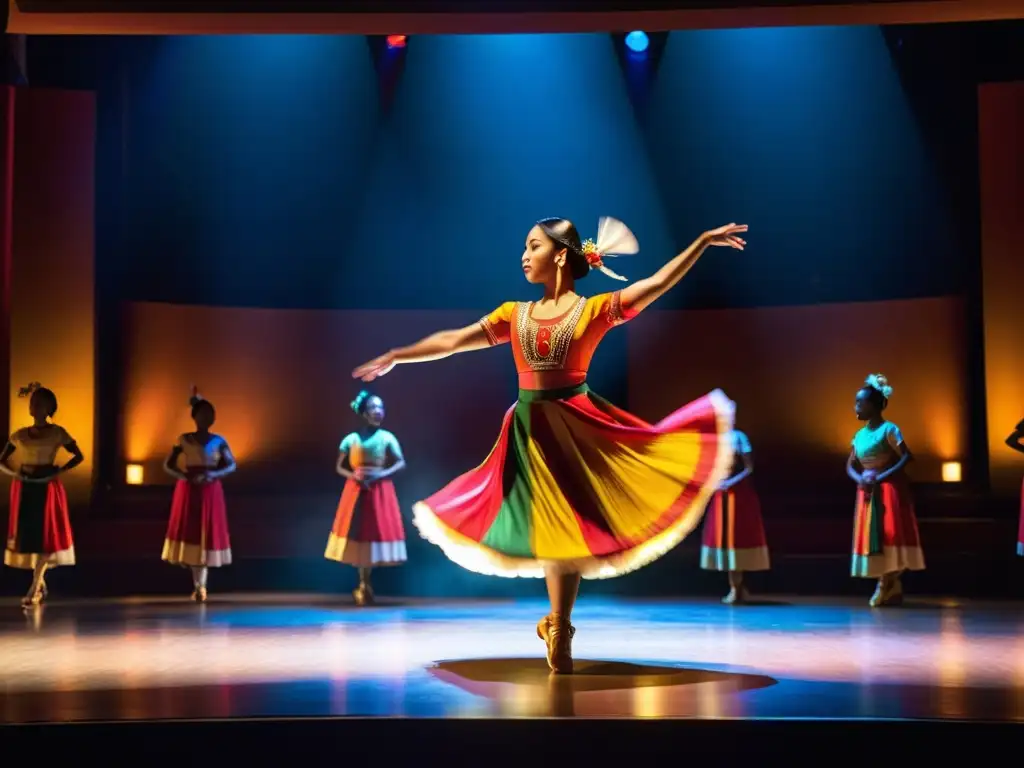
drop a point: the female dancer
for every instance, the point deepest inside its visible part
(1016, 441)
(39, 532)
(574, 487)
(733, 537)
(368, 530)
(197, 534)
(885, 538)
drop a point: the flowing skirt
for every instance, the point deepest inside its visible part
(39, 528)
(576, 484)
(733, 537)
(885, 537)
(1020, 528)
(197, 534)
(368, 530)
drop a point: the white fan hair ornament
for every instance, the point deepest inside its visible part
(613, 239)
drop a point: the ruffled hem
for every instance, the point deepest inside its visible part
(478, 558)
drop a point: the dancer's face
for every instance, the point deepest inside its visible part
(542, 258)
(203, 417)
(865, 406)
(373, 412)
(38, 407)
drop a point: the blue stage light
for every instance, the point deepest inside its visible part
(637, 41)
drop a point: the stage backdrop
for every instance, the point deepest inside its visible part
(1001, 147)
(281, 385)
(48, 245)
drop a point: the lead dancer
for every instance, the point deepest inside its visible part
(574, 487)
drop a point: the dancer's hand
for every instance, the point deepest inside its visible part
(200, 478)
(366, 476)
(727, 236)
(379, 366)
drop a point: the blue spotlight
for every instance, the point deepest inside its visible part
(637, 41)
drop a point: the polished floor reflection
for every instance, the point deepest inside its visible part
(280, 656)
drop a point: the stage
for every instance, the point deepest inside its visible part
(258, 669)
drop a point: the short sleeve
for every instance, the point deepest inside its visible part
(615, 312)
(894, 437)
(498, 324)
(742, 443)
(346, 443)
(394, 447)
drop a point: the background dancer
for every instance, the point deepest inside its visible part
(885, 538)
(197, 533)
(368, 530)
(39, 533)
(733, 536)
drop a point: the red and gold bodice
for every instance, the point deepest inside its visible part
(555, 353)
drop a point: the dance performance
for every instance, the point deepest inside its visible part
(368, 530)
(1016, 441)
(885, 537)
(733, 536)
(574, 487)
(197, 533)
(39, 533)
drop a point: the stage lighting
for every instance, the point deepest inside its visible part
(133, 474)
(637, 41)
(396, 41)
(951, 472)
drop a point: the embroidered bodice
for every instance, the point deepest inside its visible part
(555, 353)
(878, 448)
(38, 447)
(376, 450)
(199, 455)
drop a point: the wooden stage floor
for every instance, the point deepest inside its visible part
(287, 658)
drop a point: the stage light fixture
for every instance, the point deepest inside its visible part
(637, 41)
(951, 472)
(133, 474)
(396, 41)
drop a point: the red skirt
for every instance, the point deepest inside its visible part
(368, 529)
(733, 536)
(39, 529)
(885, 537)
(1020, 529)
(197, 534)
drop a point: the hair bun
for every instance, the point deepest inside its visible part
(357, 404)
(195, 398)
(880, 382)
(28, 389)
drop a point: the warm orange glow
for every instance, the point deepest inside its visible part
(284, 404)
(1000, 126)
(283, 401)
(52, 275)
(134, 474)
(794, 372)
(951, 472)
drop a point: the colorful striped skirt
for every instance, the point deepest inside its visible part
(368, 530)
(576, 484)
(197, 533)
(39, 527)
(885, 537)
(733, 537)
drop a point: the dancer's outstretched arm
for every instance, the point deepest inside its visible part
(643, 292)
(436, 346)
